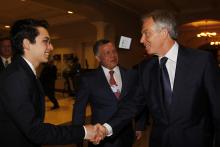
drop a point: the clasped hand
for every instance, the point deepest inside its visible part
(95, 133)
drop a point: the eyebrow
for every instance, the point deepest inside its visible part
(144, 30)
(48, 38)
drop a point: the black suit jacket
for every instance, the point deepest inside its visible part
(95, 90)
(2, 67)
(22, 111)
(194, 116)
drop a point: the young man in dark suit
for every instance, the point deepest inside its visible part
(180, 86)
(105, 93)
(21, 95)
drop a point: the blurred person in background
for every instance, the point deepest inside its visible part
(5, 52)
(48, 78)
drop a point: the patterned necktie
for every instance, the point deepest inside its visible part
(113, 84)
(165, 83)
(6, 63)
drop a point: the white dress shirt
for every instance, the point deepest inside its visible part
(30, 65)
(4, 59)
(171, 62)
(116, 75)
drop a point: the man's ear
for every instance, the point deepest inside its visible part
(165, 32)
(26, 44)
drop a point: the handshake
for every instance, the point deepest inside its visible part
(95, 133)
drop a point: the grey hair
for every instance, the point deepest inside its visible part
(164, 19)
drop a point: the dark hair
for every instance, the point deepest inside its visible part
(164, 19)
(25, 28)
(4, 38)
(98, 44)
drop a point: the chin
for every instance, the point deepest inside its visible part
(45, 60)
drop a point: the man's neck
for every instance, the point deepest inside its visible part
(167, 46)
(35, 65)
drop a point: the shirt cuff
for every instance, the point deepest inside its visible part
(109, 129)
(85, 137)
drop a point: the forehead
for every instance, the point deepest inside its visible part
(6, 41)
(107, 46)
(42, 32)
(148, 23)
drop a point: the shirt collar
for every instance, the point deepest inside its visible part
(4, 59)
(106, 70)
(172, 53)
(30, 65)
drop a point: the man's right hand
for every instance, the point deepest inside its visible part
(95, 133)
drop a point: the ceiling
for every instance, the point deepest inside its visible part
(86, 11)
(187, 10)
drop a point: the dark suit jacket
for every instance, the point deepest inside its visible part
(22, 111)
(95, 89)
(2, 67)
(194, 116)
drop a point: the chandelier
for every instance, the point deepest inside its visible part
(206, 34)
(216, 43)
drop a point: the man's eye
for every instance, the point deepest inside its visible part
(46, 41)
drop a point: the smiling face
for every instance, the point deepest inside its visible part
(39, 51)
(152, 37)
(107, 55)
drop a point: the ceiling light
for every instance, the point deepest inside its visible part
(7, 26)
(206, 34)
(70, 12)
(215, 43)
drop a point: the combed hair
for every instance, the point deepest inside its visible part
(25, 29)
(164, 19)
(5, 38)
(98, 44)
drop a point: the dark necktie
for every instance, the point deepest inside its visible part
(113, 84)
(6, 63)
(165, 82)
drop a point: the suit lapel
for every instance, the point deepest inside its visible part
(124, 81)
(104, 82)
(2, 67)
(182, 66)
(39, 92)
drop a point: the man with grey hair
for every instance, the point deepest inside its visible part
(180, 86)
(105, 89)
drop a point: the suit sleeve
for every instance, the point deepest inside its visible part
(142, 119)
(21, 103)
(81, 101)
(142, 114)
(129, 108)
(212, 85)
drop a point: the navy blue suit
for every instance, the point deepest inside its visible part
(193, 119)
(2, 66)
(95, 90)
